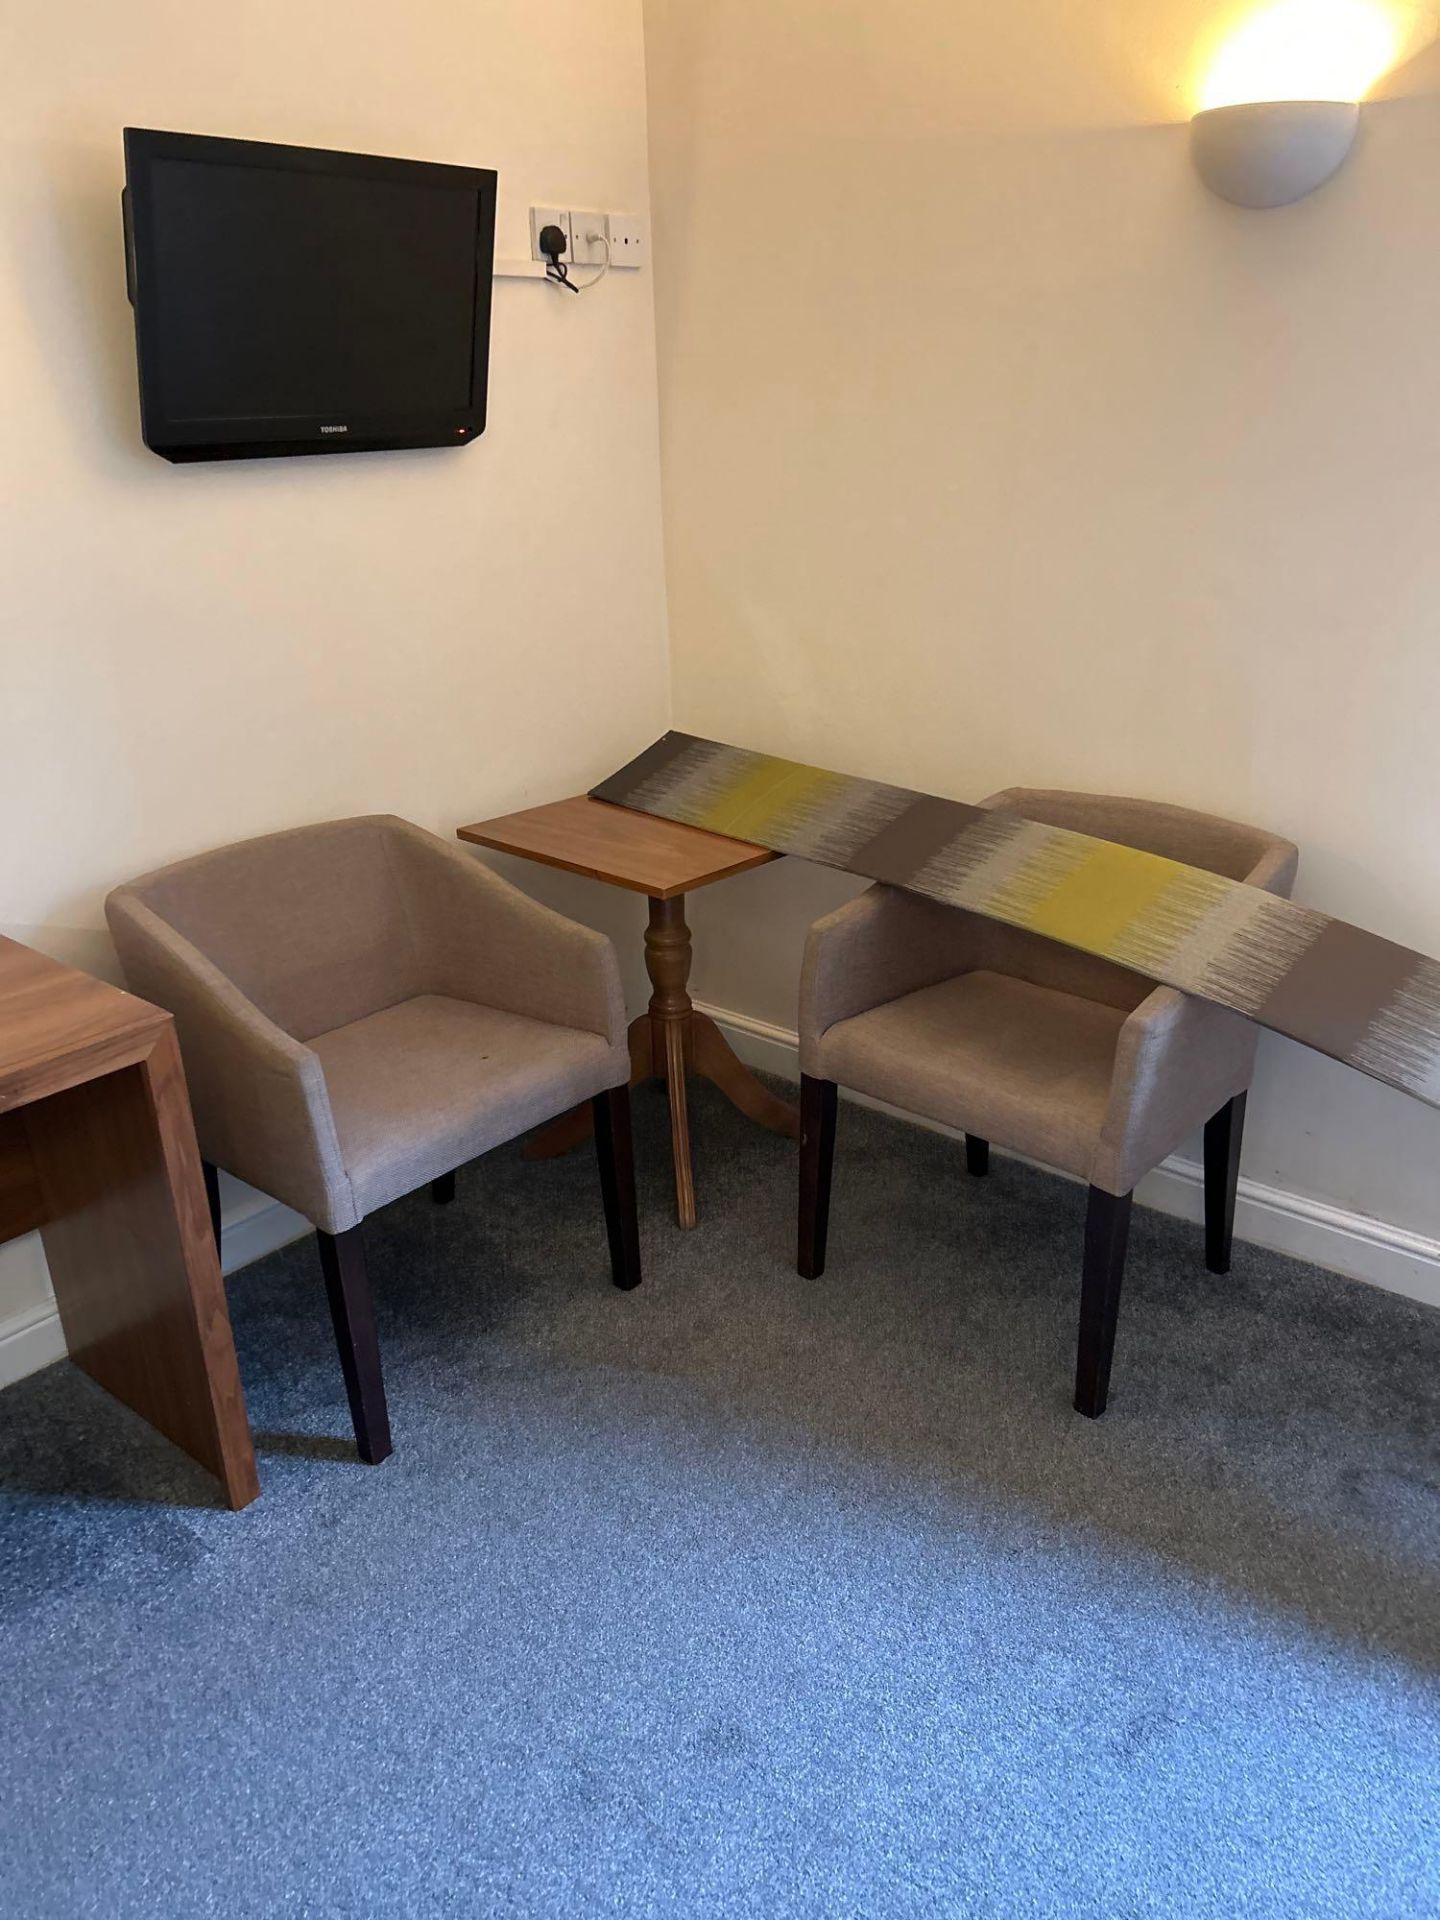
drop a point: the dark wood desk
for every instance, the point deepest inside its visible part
(97, 1150)
(664, 862)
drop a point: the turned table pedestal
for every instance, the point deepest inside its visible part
(670, 1039)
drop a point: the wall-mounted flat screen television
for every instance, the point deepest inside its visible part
(293, 300)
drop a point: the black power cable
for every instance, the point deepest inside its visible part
(552, 244)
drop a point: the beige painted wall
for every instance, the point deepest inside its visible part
(189, 655)
(996, 450)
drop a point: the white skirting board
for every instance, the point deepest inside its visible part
(30, 1339)
(1348, 1243)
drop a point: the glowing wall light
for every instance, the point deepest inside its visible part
(1280, 106)
(1304, 50)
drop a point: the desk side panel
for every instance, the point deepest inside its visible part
(133, 1261)
(22, 1206)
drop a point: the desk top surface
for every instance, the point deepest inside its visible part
(59, 1026)
(625, 849)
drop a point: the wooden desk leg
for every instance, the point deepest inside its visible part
(133, 1262)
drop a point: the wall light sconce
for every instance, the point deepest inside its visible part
(1280, 109)
(1267, 153)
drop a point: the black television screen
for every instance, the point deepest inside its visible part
(292, 300)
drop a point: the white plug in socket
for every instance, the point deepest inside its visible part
(627, 240)
(550, 217)
(589, 237)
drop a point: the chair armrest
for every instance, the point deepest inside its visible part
(1177, 1062)
(262, 1110)
(1276, 868)
(876, 948)
(482, 939)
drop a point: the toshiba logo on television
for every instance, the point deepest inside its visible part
(334, 429)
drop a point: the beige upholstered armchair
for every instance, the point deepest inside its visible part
(362, 1008)
(1012, 1038)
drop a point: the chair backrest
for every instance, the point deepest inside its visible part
(310, 924)
(1199, 839)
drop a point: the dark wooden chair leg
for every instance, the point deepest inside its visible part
(1107, 1231)
(442, 1191)
(342, 1258)
(212, 1197)
(817, 1159)
(1224, 1135)
(617, 1184)
(977, 1155)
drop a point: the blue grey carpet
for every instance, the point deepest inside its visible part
(742, 1595)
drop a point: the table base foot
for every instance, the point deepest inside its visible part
(695, 1045)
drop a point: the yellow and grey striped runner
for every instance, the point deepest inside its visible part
(1344, 992)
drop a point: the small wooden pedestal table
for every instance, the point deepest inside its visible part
(97, 1150)
(665, 862)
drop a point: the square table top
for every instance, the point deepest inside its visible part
(614, 844)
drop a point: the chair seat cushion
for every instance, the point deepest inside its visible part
(1025, 1066)
(430, 1083)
